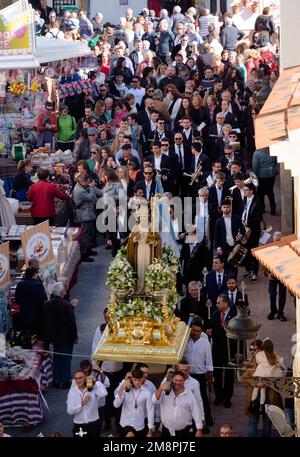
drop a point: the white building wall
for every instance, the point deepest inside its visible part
(112, 10)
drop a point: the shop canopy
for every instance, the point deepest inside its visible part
(51, 50)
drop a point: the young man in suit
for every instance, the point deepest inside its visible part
(115, 238)
(228, 230)
(215, 280)
(162, 164)
(238, 195)
(199, 159)
(223, 377)
(148, 184)
(217, 194)
(251, 218)
(233, 293)
(215, 141)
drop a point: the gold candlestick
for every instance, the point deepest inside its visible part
(209, 305)
(205, 273)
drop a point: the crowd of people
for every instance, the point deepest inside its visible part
(174, 101)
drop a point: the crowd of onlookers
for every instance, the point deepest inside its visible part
(172, 104)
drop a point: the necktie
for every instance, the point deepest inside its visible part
(180, 157)
(222, 319)
(148, 191)
(219, 281)
(231, 299)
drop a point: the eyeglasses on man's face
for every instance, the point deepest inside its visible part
(148, 172)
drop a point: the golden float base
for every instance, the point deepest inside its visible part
(163, 354)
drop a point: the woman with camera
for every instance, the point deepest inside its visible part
(82, 403)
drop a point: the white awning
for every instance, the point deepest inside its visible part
(51, 50)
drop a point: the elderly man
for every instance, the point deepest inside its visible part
(97, 23)
(164, 41)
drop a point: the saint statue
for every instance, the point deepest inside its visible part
(143, 246)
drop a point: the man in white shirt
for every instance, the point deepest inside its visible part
(113, 370)
(178, 408)
(82, 403)
(199, 357)
(136, 406)
(137, 90)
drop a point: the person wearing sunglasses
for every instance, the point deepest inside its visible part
(148, 183)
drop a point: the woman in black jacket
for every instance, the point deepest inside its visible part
(122, 69)
(60, 329)
(22, 180)
(30, 295)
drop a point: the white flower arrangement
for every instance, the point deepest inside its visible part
(158, 276)
(170, 259)
(139, 306)
(121, 275)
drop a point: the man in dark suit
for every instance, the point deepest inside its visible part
(194, 304)
(148, 184)
(229, 157)
(251, 218)
(215, 281)
(217, 194)
(183, 153)
(162, 164)
(215, 143)
(235, 296)
(191, 260)
(238, 195)
(115, 238)
(187, 131)
(228, 230)
(199, 160)
(223, 390)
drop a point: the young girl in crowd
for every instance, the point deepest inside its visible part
(269, 365)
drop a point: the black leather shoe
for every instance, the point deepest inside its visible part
(282, 317)
(271, 316)
(218, 401)
(227, 404)
(55, 385)
(93, 253)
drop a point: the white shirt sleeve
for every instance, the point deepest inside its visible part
(119, 400)
(73, 403)
(150, 411)
(100, 389)
(197, 414)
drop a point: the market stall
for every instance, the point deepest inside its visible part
(25, 374)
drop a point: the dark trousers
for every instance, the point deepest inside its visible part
(266, 187)
(272, 289)
(62, 363)
(203, 390)
(186, 432)
(39, 220)
(138, 434)
(109, 409)
(92, 430)
(250, 262)
(224, 380)
(88, 235)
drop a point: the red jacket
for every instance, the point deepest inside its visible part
(42, 194)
